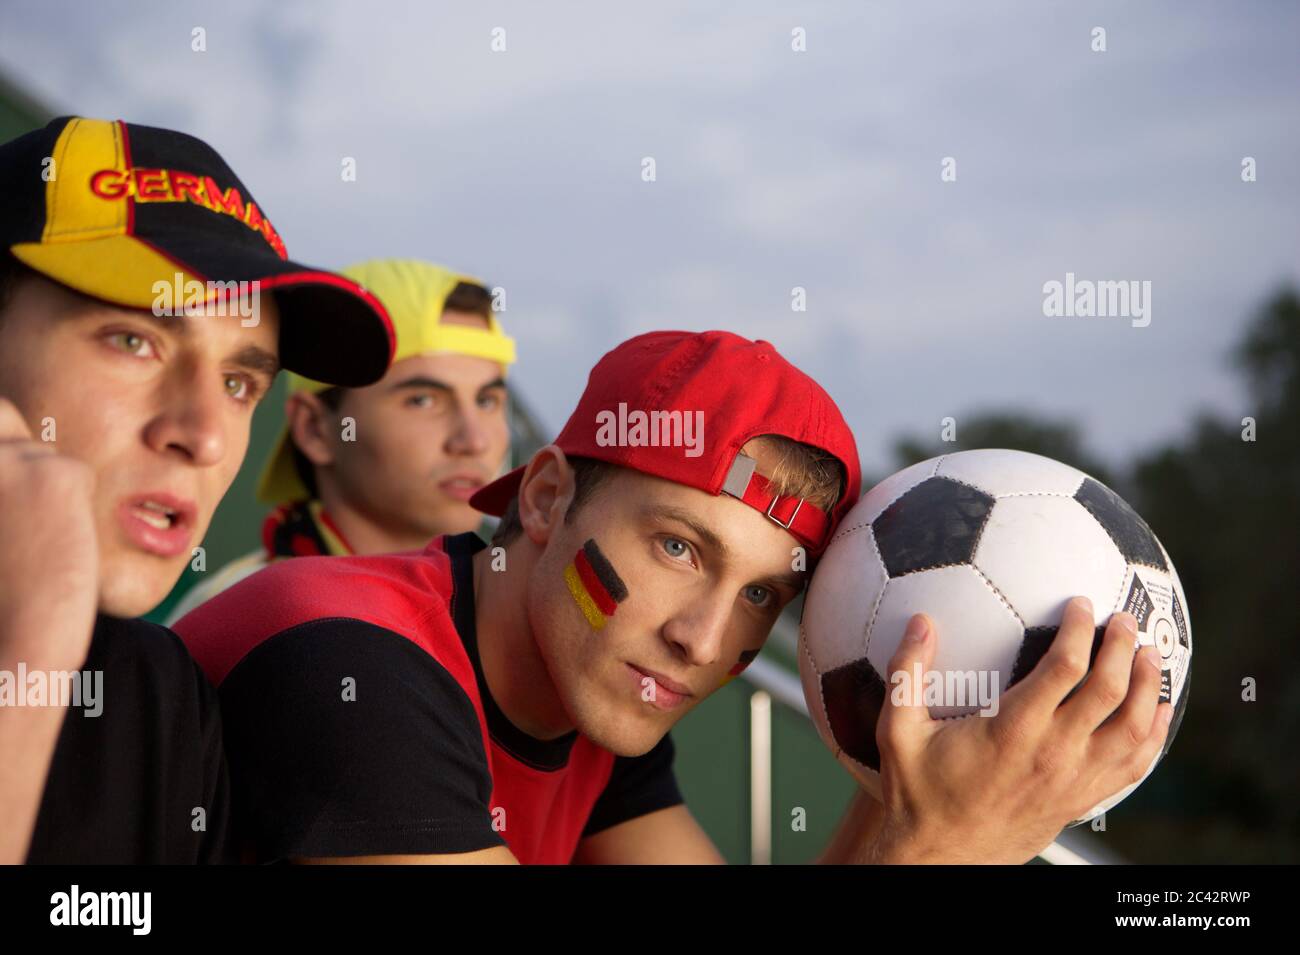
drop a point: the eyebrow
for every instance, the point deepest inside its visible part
(706, 534)
(792, 579)
(423, 381)
(256, 359)
(250, 357)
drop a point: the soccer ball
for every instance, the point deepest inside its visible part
(991, 544)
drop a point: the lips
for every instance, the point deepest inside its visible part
(667, 694)
(157, 522)
(461, 486)
(665, 682)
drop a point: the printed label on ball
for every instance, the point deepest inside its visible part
(1138, 603)
(1161, 624)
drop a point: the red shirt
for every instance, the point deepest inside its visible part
(358, 720)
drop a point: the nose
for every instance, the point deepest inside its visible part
(700, 628)
(190, 419)
(469, 433)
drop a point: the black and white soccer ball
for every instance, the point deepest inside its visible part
(991, 544)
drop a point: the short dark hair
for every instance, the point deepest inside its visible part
(588, 474)
(469, 297)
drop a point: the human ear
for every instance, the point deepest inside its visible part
(544, 493)
(309, 420)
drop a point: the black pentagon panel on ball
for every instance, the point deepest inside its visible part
(854, 694)
(1037, 640)
(1129, 532)
(935, 524)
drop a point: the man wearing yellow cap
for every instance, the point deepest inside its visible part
(388, 467)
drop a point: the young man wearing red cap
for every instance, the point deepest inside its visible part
(124, 416)
(512, 704)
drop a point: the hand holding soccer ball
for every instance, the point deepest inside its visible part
(989, 728)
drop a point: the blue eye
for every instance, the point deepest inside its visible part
(764, 595)
(685, 549)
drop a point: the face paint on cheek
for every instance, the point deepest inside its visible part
(595, 586)
(746, 657)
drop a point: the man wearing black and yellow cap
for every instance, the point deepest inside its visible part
(390, 466)
(146, 304)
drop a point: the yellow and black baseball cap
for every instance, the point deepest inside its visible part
(110, 208)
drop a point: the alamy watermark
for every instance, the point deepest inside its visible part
(976, 688)
(82, 689)
(1085, 298)
(132, 910)
(209, 299)
(640, 429)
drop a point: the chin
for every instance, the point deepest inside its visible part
(618, 730)
(135, 584)
(458, 520)
(625, 740)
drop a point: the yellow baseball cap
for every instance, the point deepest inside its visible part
(414, 294)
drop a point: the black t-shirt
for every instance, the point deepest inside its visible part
(124, 786)
(399, 765)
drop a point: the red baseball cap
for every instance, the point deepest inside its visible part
(647, 397)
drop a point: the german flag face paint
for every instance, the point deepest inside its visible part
(746, 657)
(596, 587)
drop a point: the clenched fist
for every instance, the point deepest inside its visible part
(49, 561)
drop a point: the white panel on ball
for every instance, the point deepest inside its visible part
(960, 603)
(845, 598)
(810, 678)
(997, 471)
(1041, 550)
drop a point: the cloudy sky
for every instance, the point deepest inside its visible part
(775, 169)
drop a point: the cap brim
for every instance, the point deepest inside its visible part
(331, 329)
(494, 498)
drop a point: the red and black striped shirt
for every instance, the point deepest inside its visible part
(358, 720)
